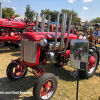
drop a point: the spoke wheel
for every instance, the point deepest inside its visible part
(15, 71)
(45, 87)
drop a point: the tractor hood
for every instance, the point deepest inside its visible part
(36, 36)
(8, 23)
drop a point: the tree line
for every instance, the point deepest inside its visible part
(30, 14)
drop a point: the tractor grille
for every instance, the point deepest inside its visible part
(28, 50)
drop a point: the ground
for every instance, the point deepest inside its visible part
(89, 89)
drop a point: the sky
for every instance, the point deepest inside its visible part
(86, 9)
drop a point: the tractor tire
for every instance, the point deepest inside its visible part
(8, 43)
(16, 45)
(45, 87)
(19, 73)
(91, 72)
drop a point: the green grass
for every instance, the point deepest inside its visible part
(89, 89)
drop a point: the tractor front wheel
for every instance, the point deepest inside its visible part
(92, 66)
(45, 87)
(15, 71)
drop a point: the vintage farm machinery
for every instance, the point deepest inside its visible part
(11, 30)
(39, 47)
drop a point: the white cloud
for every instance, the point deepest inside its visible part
(85, 8)
(13, 7)
(6, 0)
(87, 0)
(82, 12)
(71, 1)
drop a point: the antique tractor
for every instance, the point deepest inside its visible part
(10, 31)
(77, 54)
(39, 47)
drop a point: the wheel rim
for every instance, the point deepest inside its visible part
(47, 89)
(17, 71)
(93, 68)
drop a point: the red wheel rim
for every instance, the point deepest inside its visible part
(47, 89)
(17, 71)
(92, 66)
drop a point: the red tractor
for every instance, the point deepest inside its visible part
(10, 30)
(39, 47)
(78, 53)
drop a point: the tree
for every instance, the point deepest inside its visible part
(29, 13)
(48, 12)
(96, 20)
(8, 12)
(75, 18)
(53, 14)
(16, 15)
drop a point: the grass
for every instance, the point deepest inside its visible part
(89, 89)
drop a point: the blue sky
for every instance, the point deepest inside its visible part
(86, 9)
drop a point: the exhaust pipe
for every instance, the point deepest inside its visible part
(62, 33)
(0, 10)
(68, 31)
(57, 22)
(42, 23)
(49, 23)
(65, 24)
(37, 22)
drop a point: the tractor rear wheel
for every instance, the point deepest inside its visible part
(15, 71)
(16, 45)
(94, 53)
(45, 87)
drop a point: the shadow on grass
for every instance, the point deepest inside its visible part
(60, 72)
(97, 74)
(7, 49)
(22, 85)
(27, 83)
(16, 54)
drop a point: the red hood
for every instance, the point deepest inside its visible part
(36, 36)
(13, 24)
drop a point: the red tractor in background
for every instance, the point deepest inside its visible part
(77, 53)
(39, 47)
(11, 30)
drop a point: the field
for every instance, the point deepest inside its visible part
(89, 89)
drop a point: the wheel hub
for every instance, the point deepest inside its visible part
(47, 89)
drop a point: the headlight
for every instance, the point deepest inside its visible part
(43, 42)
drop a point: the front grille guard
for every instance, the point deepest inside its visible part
(28, 50)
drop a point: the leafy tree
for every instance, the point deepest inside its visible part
(7, 12)
(75, 18)
(96, 20)
(29, 13)
(48, 12)
(16, 15)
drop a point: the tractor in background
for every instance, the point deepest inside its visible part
(11, 30)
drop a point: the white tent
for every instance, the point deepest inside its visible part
(34, 19)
